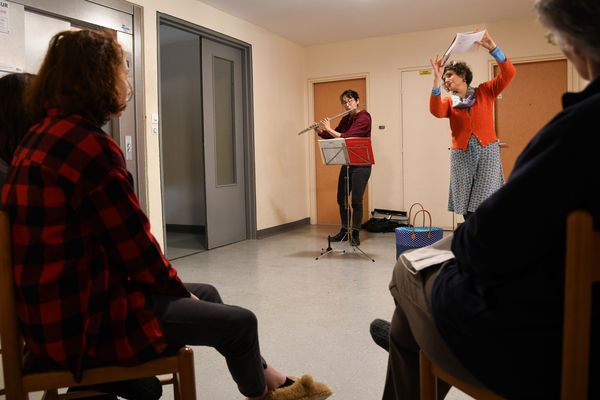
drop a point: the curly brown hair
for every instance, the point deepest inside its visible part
(83, 73)
(461, 69)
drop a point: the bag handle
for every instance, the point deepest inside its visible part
(410, 212)
(413, 236)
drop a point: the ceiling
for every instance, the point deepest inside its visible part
(314, 22)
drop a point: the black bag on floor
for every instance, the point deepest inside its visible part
(380, 225)
(391, 220)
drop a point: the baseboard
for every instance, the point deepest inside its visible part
(263, 233)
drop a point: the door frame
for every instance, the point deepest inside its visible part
(310, 116)
(247, 105)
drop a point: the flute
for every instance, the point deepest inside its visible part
(316, 124)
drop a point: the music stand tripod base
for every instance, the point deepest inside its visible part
(330, 250)
(339, 152)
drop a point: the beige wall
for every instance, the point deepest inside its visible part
(383, 58)
(282, 77)
(279, 93)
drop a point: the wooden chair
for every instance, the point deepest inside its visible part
(429, 374)
(179, 367)
(582, 271)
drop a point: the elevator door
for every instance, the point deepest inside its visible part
(223, 143)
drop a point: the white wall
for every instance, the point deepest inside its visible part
(279, 111)
(383, 58)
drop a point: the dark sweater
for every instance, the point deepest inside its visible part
(499, 306)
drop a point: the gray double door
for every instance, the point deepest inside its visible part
(203, 152)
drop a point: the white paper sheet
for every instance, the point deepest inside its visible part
(462, 43)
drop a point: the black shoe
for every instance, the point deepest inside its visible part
(341, 236)
(355, 239)
(380, 332)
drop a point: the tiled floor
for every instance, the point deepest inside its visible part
(313, 315)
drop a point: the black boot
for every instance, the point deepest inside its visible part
(355, 240)
(341, 236)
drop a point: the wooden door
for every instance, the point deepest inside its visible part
(327, 103)
(527, 104)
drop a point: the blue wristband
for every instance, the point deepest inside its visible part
(498, 54)
(436, 91)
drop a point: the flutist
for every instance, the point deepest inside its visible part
(357, 123)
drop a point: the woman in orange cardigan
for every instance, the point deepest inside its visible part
(475, 167)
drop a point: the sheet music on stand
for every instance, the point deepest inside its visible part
(334, 151)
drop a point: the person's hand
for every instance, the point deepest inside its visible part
(326, 124)
(486, 41)
(438, 69)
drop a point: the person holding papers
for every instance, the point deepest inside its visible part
(475, 166)
(357, 123)
(493, 315)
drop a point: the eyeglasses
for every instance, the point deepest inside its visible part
(551, 38)
(348, 101)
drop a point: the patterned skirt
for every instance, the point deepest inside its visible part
(475, 173)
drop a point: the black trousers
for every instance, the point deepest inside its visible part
(231, 330)
(358, 178)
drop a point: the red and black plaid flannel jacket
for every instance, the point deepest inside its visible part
(85, 261)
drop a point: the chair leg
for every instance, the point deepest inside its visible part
(187, 377)
(427, 381)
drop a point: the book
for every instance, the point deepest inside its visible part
(419, 259)
(462, 43)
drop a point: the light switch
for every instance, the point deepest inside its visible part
(128, 148)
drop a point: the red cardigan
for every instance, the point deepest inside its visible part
(479, 118)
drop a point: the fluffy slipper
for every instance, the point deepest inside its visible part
(303, 388)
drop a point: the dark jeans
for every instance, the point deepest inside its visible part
(358, 178)
(231, 330)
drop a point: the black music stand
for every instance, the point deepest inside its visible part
(351, 151)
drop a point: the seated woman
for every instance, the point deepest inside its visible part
(494, 315)
(93, 286)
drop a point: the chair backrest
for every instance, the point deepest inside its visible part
(12, 346)
(582, 270)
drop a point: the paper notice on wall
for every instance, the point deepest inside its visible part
(12, 37)
(4, 17)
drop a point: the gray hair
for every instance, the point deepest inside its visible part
(578, 20)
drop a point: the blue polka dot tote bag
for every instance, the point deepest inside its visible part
(414, 237)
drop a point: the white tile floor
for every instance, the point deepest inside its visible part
(313, 315)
